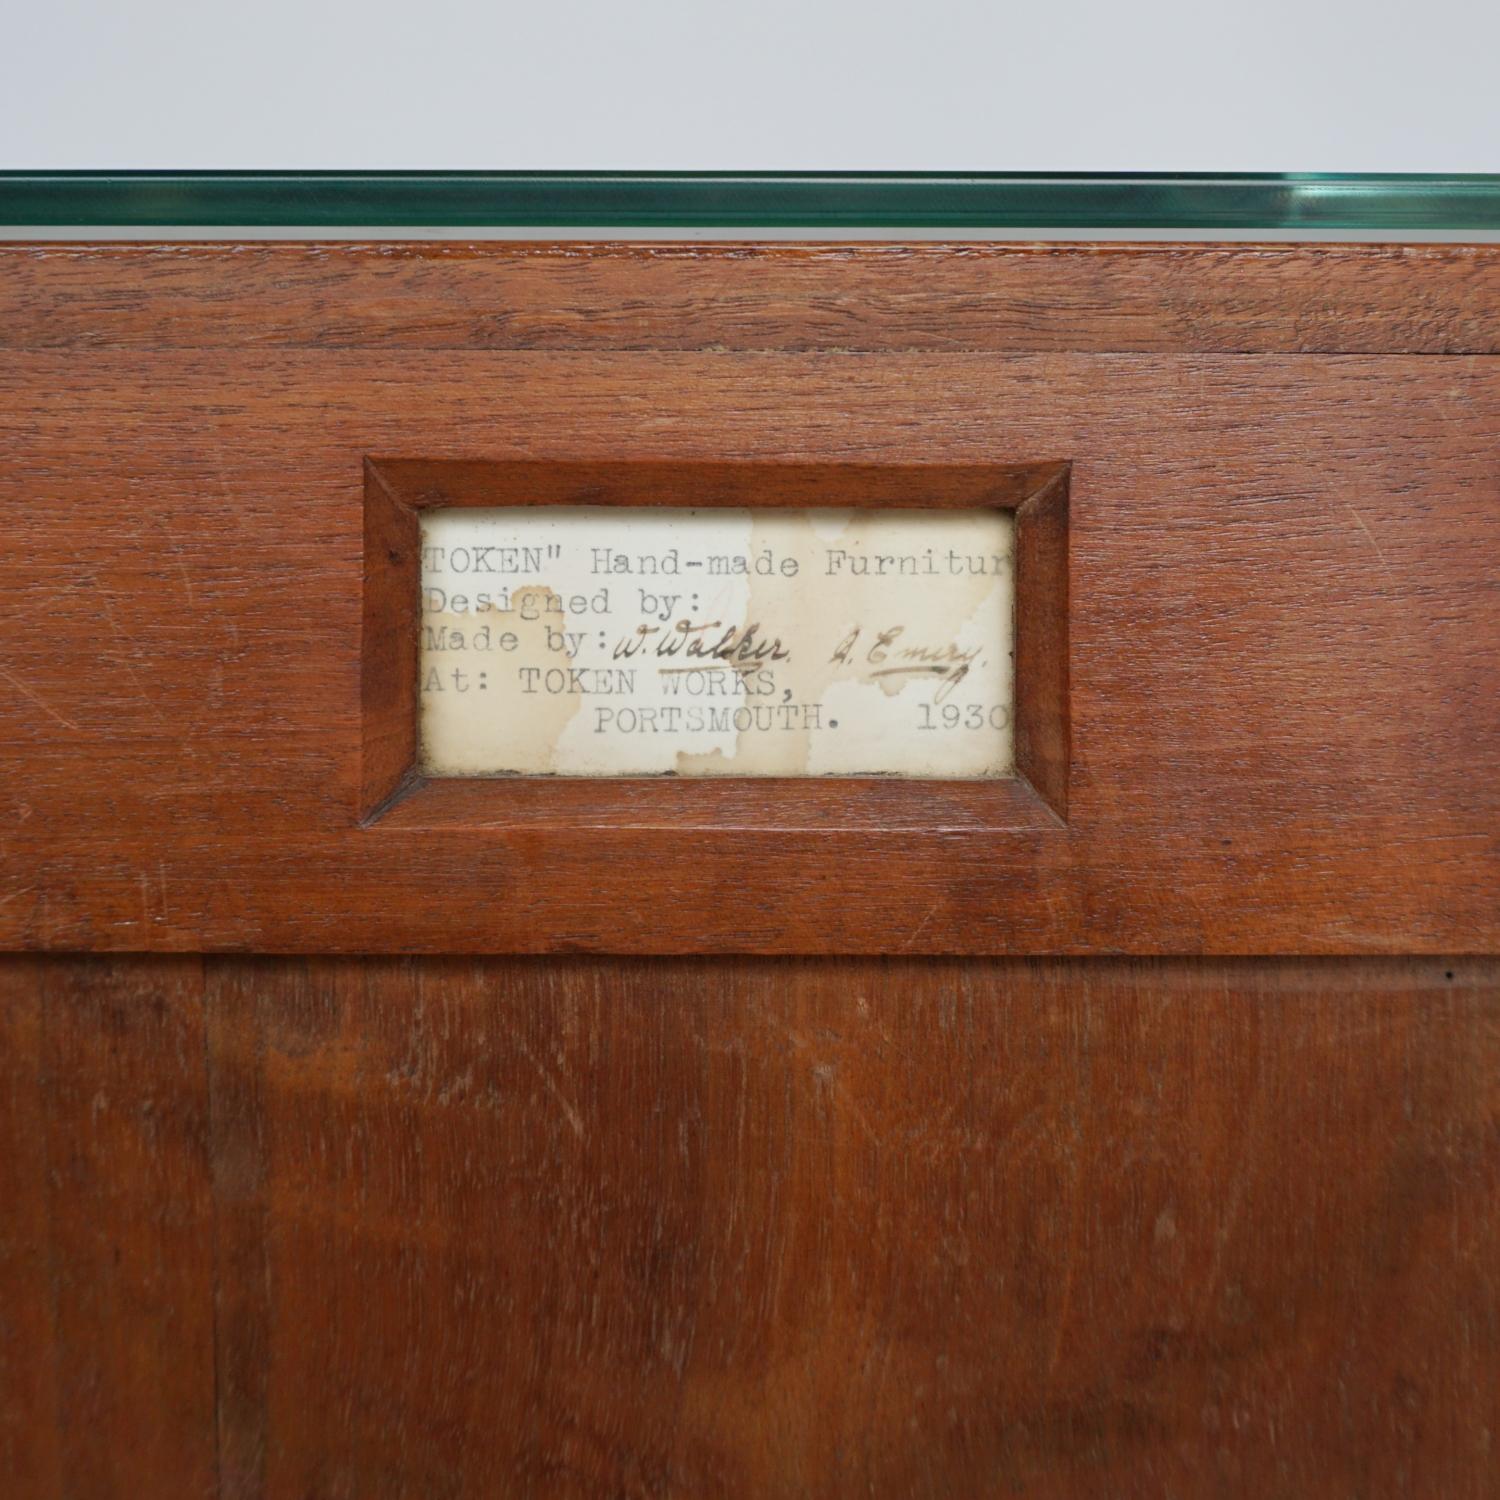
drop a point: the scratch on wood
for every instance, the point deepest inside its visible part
(569, 1110)
(40, 702)
(1359, 521)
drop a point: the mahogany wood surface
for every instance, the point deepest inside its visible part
(712, 297)
(768, 1220)
(775, 1227)
(1284, 630)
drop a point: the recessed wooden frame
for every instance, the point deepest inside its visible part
(394, 792)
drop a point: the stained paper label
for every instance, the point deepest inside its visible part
(668, 641)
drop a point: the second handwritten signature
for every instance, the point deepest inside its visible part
(949, 664)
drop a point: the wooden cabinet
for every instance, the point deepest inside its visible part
(1131, 1127)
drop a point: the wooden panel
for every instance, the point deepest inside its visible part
(996, 298)
(1284, 644)
(762, 1227)
(30, 1439)
(880, 1229)
(106, 1238)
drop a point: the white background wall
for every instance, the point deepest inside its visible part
(1098, 85)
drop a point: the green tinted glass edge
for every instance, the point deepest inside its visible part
(819, 200)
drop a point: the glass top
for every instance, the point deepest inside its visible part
(1311, 203)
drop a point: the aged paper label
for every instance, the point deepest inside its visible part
(610, 642)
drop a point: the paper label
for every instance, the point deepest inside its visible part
(667, 641)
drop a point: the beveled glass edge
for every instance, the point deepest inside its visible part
(816, 201)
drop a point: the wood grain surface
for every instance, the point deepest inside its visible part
(353, 1227)
(1284, 626)
(107, 1263)
(870, 297)
(587, 1227)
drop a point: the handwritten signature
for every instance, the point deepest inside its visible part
(735, 647)
(949, 664)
